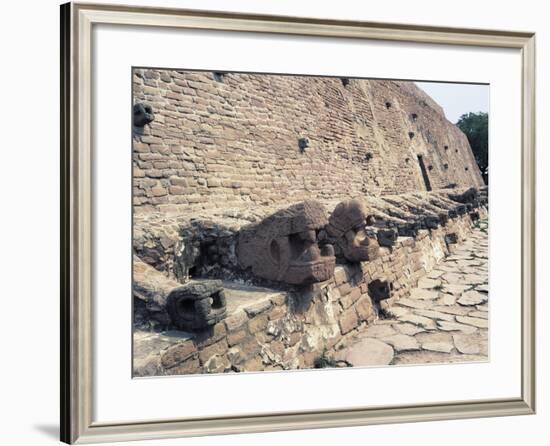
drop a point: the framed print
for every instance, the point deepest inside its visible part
(276, 223)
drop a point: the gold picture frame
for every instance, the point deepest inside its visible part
(77, 21)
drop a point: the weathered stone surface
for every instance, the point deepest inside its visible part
(258, 323)
(447, 299)
(364, 309)
(414, 303)
(277, 313)
(147, 366)
(455, 289)
(472, 298)
(475, 321)
(435, 315)
(152, 288)
(454, 309)
(474, 279)
(236, 320)
(470, 344)
(219, 348)
(217, 364)
(420, 321)
(190, 366)
(367, 352)
(453, 326)
(340, 275)
(346, 231)
(236, 337)
(398, 311)
(423, 294)
(443, 347)
(435, 273)
(257, 308)
(401, 342)
(408, 329)
(428, 283)
(178, 353)
(245, 351)
(378, 331)
(284, 247)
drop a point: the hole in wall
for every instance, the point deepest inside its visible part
(388, 104)
(411, 135)
(217, 301)
(446, 147)
(424, 173)
(303, 143)
(218, 75)
(414, 117)
(445, 166)
(345, 81)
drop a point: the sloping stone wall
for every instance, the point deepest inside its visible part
(232, 139)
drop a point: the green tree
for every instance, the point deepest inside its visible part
(476, 128)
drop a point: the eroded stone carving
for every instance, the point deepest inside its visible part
(197, 306)
(143, 114)
(348, 232)
(284, 246)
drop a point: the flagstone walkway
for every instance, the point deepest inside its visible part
(444, 320)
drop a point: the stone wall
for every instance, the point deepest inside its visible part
(268, 329)
(233, 140)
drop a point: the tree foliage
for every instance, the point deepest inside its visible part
(476, 128)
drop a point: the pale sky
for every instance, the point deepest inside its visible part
(457, 99)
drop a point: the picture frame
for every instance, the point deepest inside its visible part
(77, 389)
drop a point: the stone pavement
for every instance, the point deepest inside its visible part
(443, 320)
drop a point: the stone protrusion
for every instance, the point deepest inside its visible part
(284, 247)
(143, 114)
(347, 232)
(197, 306)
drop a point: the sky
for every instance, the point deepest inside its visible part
(457, 99)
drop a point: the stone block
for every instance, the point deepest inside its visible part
(236, 320)
(257, 308)
(178, 353)
(348, 321)
(219, 348)
(236, 337)
(258, 323)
